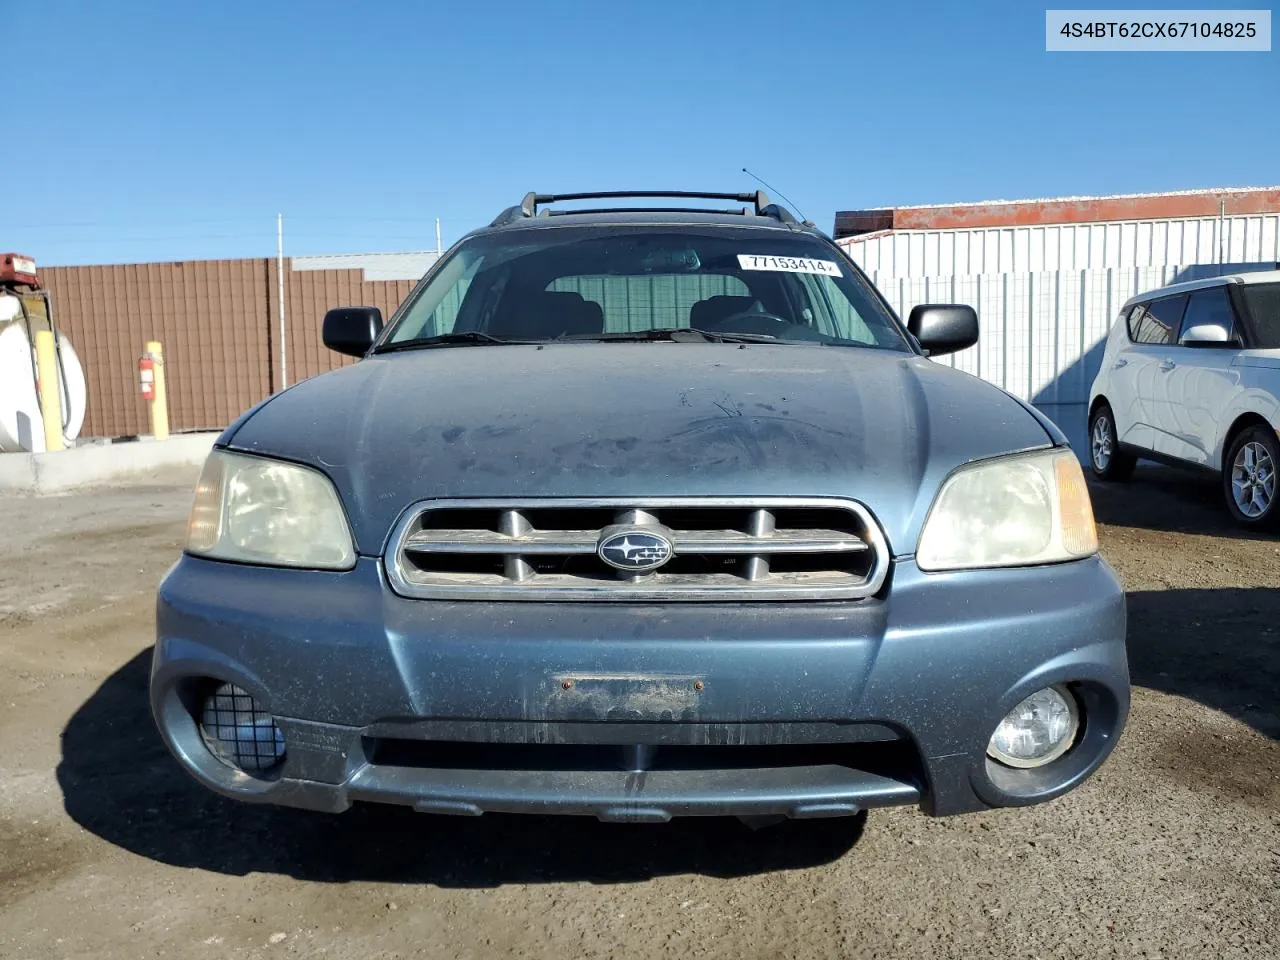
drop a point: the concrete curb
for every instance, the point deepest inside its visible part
(132, 462)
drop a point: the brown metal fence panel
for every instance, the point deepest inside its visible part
(207, 314)
(219, 323)
(308, 294)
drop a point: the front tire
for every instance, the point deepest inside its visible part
(1249, 478)
(1106, 458)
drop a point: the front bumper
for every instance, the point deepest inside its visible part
(646, 711)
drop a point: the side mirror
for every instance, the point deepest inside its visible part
(352, 330)
(1206, 335)
(943, 328)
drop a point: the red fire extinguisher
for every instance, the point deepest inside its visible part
(147, 377)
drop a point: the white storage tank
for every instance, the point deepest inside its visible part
(21, 424)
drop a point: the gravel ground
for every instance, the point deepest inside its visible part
(108, 851)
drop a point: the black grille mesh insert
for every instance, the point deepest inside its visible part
(238, 732)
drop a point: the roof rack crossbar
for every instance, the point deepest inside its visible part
(757, 197)
(736, 211)
(530, 204)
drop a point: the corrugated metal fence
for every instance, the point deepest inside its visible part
(219, 323)
(1068, 246)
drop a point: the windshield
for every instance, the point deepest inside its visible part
(605, 282)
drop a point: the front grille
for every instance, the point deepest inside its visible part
(773, 548)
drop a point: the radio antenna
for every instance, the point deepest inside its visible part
(807, 222)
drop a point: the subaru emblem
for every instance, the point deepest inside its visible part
(634, 550)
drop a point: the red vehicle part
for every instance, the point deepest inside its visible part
(18, 268)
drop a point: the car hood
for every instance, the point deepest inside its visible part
(639, 420)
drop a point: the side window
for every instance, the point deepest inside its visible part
(1262, 303)
(1159, 322)
(1211, 306)
(1134, 320)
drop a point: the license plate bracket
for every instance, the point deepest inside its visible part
(624, 697)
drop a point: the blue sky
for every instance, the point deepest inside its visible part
(166, 131)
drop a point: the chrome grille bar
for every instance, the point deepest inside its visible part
(763, 528)
(514, 526)
(721, 549)
(571, 542)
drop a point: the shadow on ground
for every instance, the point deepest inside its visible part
(1218, 646)
(1164, 498)
(119, 782)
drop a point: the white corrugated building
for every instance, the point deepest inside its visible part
(1048, 276)
(1232, 225)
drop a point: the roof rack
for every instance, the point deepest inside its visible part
(529, 206)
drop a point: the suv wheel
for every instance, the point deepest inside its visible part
(1109, 462)
(1249, 478)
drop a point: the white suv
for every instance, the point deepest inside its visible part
(1191, 377)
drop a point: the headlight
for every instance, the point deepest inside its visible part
(1014, 511)
(255, 510)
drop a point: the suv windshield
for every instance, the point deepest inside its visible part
(607, 282)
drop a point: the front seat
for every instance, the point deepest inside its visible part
(547, 315)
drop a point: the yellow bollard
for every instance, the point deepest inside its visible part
(50, 401)
(160, 402)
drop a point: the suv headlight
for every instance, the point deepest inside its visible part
(255, 510)
(1012, 511)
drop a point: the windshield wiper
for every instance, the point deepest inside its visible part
(677, 334)
(674, 334)
(462, 338)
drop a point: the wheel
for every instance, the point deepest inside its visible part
(1106, 458)
(1249, 478)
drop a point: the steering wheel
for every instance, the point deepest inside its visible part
(769, 324)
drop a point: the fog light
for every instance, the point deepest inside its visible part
(238, 732)
(1038, 730)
